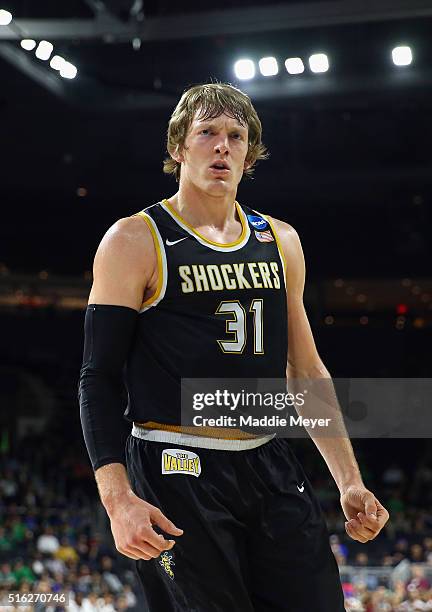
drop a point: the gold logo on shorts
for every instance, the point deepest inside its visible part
(180, 461)
(166, 561)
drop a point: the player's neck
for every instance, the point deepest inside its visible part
(203, 210)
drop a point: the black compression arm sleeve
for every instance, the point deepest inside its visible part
(108, 333)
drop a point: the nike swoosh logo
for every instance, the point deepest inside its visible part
(301, 487)
(171, 242)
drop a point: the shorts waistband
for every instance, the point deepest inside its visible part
(208, 432)
(158, 435)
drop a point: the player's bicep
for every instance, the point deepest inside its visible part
(123, 265)
(303, 357)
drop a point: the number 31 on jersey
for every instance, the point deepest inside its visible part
(237, 326)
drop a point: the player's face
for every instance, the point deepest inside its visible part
(221, 139)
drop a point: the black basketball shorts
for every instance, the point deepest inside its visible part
(254, 539)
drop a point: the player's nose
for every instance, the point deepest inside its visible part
(222, 145)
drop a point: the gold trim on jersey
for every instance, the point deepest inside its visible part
(208, 432)
(151, 300)
(240, 213)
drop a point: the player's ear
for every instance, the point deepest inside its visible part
(178, 154)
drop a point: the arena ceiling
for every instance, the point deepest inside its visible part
(350, 149)
(137, 55)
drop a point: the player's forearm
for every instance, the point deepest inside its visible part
(101, 412)
(339, 457)
(114, 486)
(108, 332)
(332, 440)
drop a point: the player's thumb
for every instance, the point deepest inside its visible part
(168, 526)
(370, 505)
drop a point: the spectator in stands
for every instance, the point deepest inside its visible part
(400, 525)
(361, 559)
(340, 551)
(129, 595)
(8, 487)
(7, 578)
(122, 604)
(108, 575)
(108, 603)
(22, 573)
(84, 579)
(418, 580)
(18, 532)
(396, 503)
(416, 553)
(393, 476)
(413, 602)
(82, 546)
(75, 604)
(6, 543)
(400, 550)
(90, 603)
(47, 542)
(37, 565)
(55, 566)
(66, 552)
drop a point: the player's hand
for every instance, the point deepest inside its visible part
(134, 536)
(366, 516)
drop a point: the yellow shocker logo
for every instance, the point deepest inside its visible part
(166, 562)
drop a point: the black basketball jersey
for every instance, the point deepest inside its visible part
(219, 311)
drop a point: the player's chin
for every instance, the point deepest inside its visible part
(228, 181)
(219, 185)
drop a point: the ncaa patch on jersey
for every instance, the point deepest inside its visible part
(264, 236)
(180, 461)
(258, 223)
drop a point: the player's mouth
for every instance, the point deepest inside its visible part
(219, 168)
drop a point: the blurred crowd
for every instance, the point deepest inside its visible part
(49, 537)
(398, 598)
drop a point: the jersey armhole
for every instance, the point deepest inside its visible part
(161, 263)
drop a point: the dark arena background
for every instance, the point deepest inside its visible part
(346, 108)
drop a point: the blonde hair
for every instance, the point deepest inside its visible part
(213, 99)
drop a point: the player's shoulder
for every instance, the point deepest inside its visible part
(286, 232)
(130, 227)
(128, 237)
(289, 240)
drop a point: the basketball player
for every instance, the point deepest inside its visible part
(198, 285)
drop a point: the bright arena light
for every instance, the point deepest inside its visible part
(28, 44)
(44, 50)
(68, 70)
(319, 62)
(244, 69)
(5, 17)
(402, 56)
(268, 66)
(57, 62)
(294, 65)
